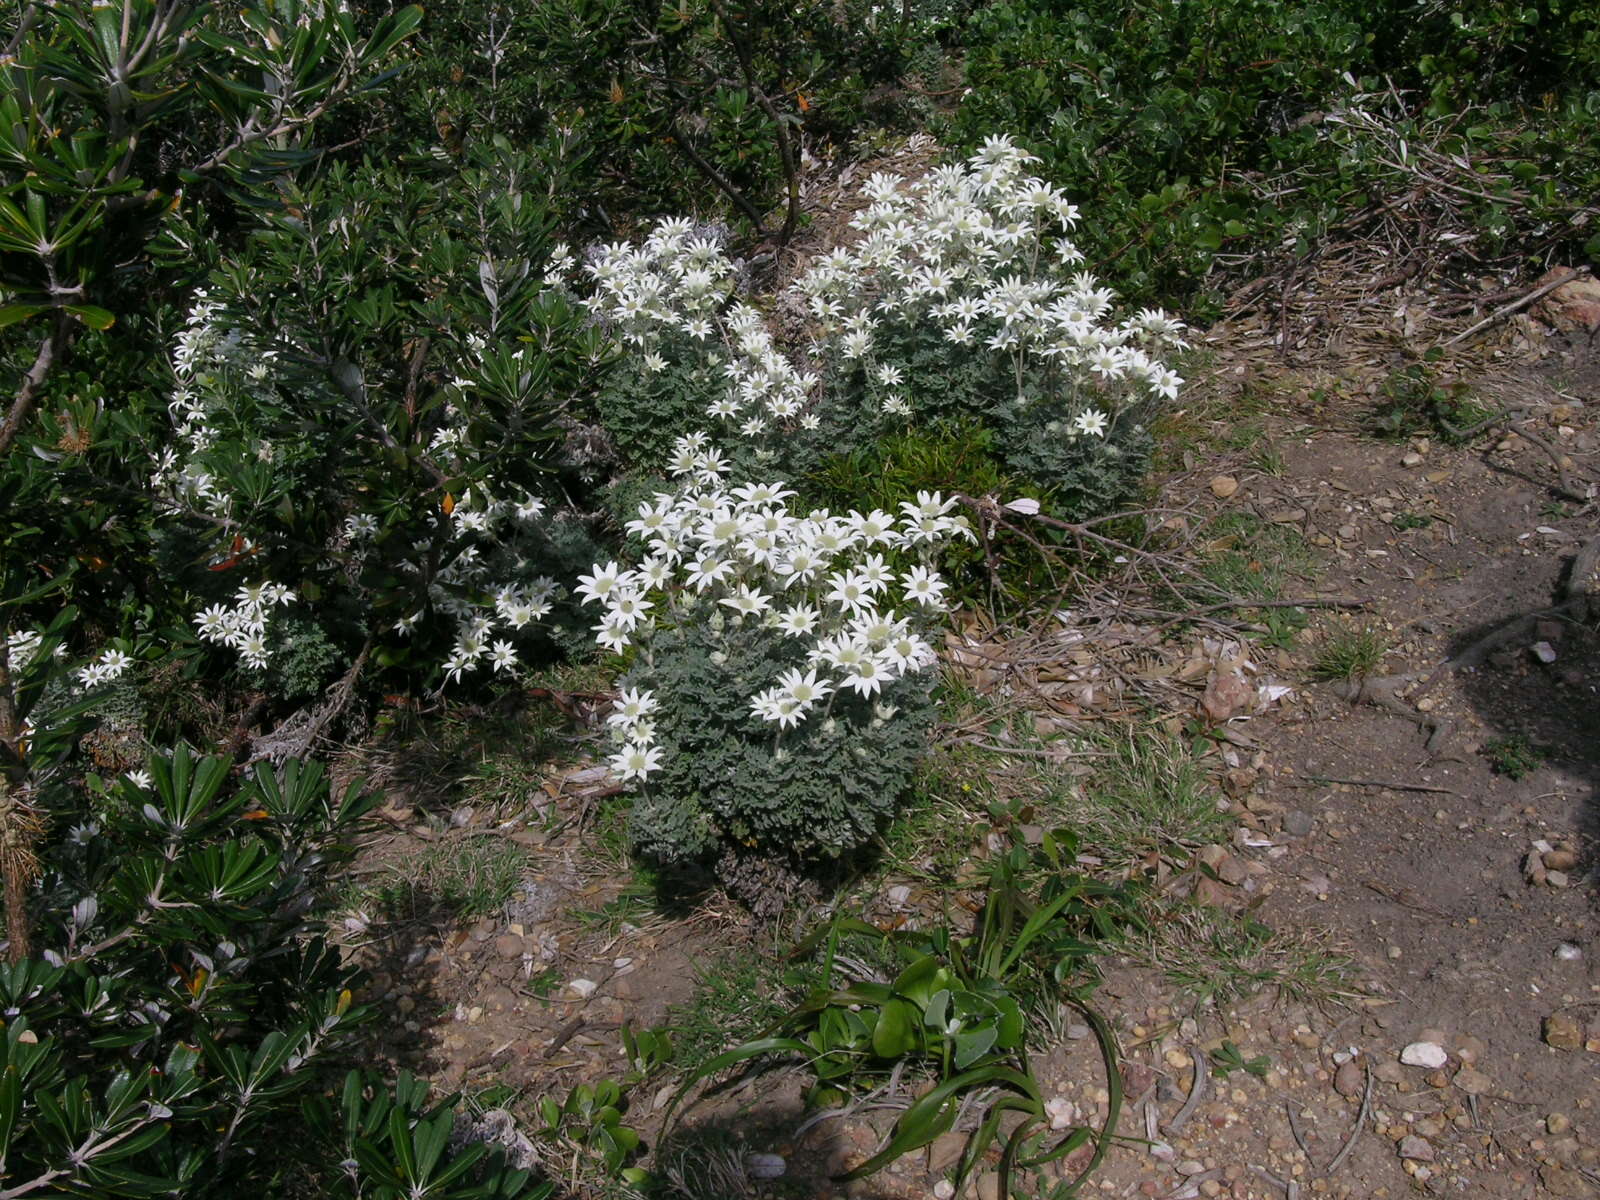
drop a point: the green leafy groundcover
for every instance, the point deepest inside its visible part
(1199, 129)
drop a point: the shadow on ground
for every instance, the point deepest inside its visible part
(1539, 695)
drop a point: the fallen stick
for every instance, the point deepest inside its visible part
(1355, 1130)
(1289, 1187)
(1516, 306)
(1299, 1135)
(1392, 784)
(1568, 490)
(1197, 1093)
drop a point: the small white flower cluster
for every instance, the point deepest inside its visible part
(222, 374)
(468, 591)
(821, 577)
(978, 249)
(981, 249)
(678, 280)
(630, 724)
(22, 647)
(243, 625)
(107, 668)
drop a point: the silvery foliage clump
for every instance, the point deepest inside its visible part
(472, 572)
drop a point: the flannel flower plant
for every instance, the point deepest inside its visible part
(768, 640)
(772, 643)
(976, 254)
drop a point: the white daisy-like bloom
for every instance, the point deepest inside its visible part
(876, 528)
(849, 591)
(875, 628)
(628, 608)
(600, 584)
(706, 570)
(874, 572)
(867, 675)
(923, 586)
(1090, 421)
(805, 688)
(908, 652)
(632, 706)
(747, 601)
(800, 567)
(611, 634)
(636, 761)
(798, 620)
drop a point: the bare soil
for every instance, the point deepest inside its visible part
(1464, 898)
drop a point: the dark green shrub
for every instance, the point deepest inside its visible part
(1237, 128)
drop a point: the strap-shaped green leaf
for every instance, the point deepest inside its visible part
(935, 1110)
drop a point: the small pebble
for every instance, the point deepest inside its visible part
(1424, 1054)
(1473, 1082)
(1349, 1080)
(1415, 1148)
(1562, 1031)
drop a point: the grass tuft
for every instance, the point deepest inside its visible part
(1350, 653)
(465, 878)
(1148, 793)
(1219, 958)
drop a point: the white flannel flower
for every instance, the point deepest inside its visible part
(849, 591)
(747, 601)
(632, 706)
(798, 620)
(806, 689)
(601, 583)
(923, 586)
(636, 760)
(1091, 421)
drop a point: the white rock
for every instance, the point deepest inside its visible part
(1430, 1055)
(765, 1166)
(1063, 1113)
(583, 987)
(1544, 652)
(943, 1190)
